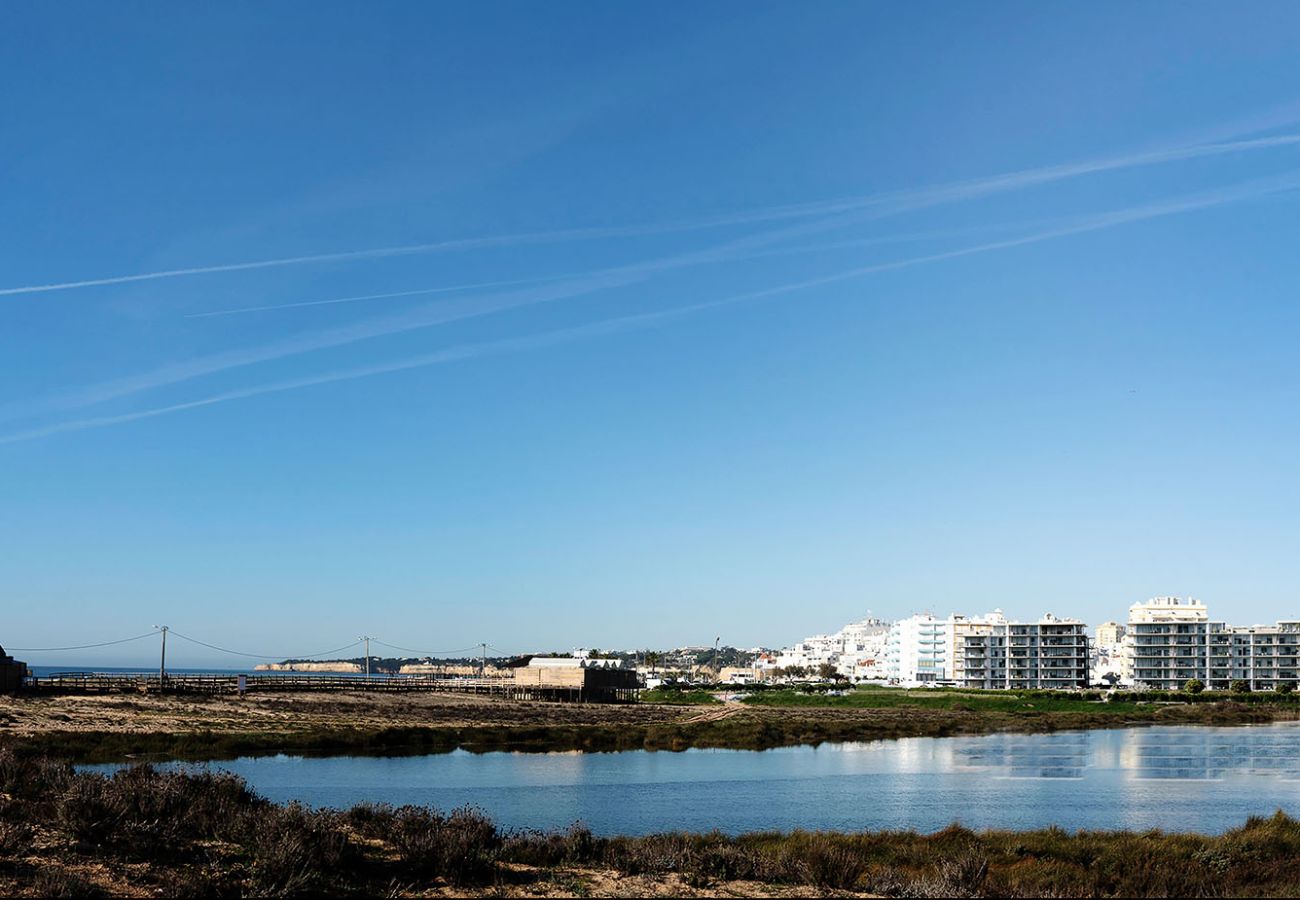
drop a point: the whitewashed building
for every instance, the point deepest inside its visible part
(856, 651)
(918, 650)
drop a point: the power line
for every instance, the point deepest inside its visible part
(82, 646)
(193, 640)
(504, 652)
(432, 653)
(261, 655)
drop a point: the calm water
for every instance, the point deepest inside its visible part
(1184, 778)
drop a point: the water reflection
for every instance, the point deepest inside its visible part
(1188, 778)
(1020, 756)
(1213, 754)
(1157, 753)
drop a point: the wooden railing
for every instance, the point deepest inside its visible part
(117, 683)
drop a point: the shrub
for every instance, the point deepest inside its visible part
(31, 778)
(296, 852)
(370, 819)
(15, 837)
(471, 845)
(1285, 687)
(1193, 686)
(1240, 686)
(828, 863)
(143, 813)
(461, 847)
(59, 881)
(83, 813)
(546, 850)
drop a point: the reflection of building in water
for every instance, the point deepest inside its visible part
(1019, 756)
(1189, 754)
(1171, 640)
(994, 653)
(1208, 754)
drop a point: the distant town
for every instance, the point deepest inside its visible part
(1167, 643)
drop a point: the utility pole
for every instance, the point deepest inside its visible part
(482, 667)
(162, 661)
(367, 640)
(717, 673)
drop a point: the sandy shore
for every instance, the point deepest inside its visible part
(289, 713)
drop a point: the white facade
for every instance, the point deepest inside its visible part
(856, 651)
(918, 650)
(1051, 653)
(1186, 617)
(1109, 635)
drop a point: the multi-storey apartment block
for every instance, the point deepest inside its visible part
(1266, 656)
(1168, 641)
(1050, 653)
(917, 650)
(1171, 641)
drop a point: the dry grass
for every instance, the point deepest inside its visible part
(115, 727)
(149, 833)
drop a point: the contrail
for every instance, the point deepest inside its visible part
(626, 323)
(446, 289)
(893, 202)
(539, 279)
(422, 317)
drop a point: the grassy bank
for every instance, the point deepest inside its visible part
(879, 697)
(733, 728)
(680, 697)
(143, 832)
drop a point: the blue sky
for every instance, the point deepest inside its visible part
(702, 319)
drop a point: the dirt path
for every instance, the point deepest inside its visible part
(717, 714)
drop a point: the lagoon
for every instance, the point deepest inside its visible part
(1189, 778)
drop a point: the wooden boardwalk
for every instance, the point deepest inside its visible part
(128, 683)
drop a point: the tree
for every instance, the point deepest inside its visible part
(827, 672)
(651, 660)
(1193, 686)
(1240, 686)
(1285, 687)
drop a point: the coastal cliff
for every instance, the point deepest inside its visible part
(327, 666)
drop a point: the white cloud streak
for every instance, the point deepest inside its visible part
(627, 323)
(424, 316)
(445, 289)
(889, 203)
(851, 243)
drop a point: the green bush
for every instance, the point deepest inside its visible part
(1240, 686)
(1193, 686)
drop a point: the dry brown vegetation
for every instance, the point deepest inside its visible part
(113, 727)
(145, 832)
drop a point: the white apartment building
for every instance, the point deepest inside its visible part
(1265, 656)
(1166, 642)
(918, 650)
(971, 626)
(1170, 640)
(1051, 653)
